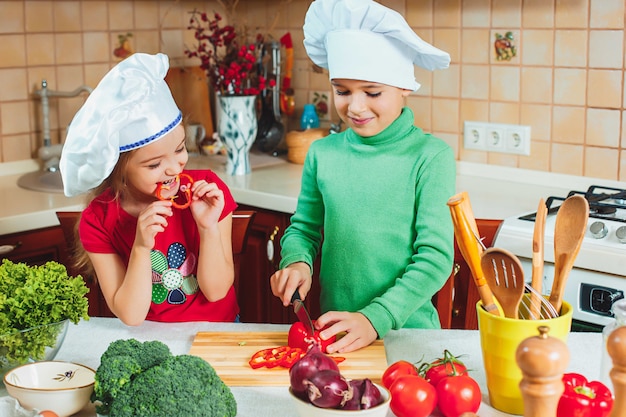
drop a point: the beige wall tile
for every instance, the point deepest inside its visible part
(536, 85)
(121, 15)
(470, 155)
(568, 124)
(607, 14)
(475, 82)
(66, 16)
(12, 51)
(515, 43)
(622, 166)
(422, 114)
(539, 118)
(94, 73)
(601, 163)
(296, 12)
(603, 127)
(68, 48)
(39, 49)
(96, 46)
(444, 115)
(570, 86)
(148, 41)
(539, 158)
(572, 14)
(446, 83)
(606, 48)
(38, 16)
(476, 13)
(538, 14)
(172, 42)
(473, 110)
(13, 148)
(13, 85)
(14, 117)
(94, 15)
(425, 78)
(604, 88)
(504, 112)
(538, 47)
(448, 40)
(567, 159)
(12, 13)
(146, 15)
(502, 159)
(419, 13)
(451, 139)
(504, 83)
(171, 15)
(447, 13)
(570, 48)
(506, 14)
(476, 46)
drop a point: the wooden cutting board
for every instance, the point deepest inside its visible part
(229, 353)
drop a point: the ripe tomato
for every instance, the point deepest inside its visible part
(440, 368)
(412, 396)
(48, 413)
(457, 395)
(396, 370)
(298, 337)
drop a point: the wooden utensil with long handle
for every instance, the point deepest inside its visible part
(466, 232)
(505, 276)
(537, 262)
(569, 231)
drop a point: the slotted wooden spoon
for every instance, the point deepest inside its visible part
(505, 277)
(569, 231)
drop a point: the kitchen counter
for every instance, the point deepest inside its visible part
(274, 184)
(86, 342)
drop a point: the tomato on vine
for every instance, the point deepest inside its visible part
(412, 396)
(396, 370)
(457, 395)
(440, 368)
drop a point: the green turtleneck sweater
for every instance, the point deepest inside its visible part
(380, 202)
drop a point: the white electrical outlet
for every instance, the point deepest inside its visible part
(517, 140)
(474, 135)
(496, 137)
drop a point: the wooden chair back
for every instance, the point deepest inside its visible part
(97, 305)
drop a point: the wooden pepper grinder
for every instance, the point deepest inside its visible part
(542, 360)
(616, 346)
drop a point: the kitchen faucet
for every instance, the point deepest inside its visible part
(49, 153)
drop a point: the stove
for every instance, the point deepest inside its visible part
(599, 275)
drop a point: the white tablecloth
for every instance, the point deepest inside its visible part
(86, 342)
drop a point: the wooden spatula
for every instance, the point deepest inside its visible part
(505, 277)
(537, 262)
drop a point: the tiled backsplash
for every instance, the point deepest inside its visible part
(566, 80)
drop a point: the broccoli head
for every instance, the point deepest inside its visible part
(145, 379)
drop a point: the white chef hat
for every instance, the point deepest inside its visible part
(364, 40)
(131, 107)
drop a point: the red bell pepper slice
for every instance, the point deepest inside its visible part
(583, 398)
(185, 189)
(268, 358)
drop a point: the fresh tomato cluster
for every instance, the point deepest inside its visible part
(583, 398)
(443, 383)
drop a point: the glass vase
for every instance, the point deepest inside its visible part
(237, 127)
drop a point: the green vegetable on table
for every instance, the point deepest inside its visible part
(35, 296)
(144, 379)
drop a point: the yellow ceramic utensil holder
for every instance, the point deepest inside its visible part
(499, 338)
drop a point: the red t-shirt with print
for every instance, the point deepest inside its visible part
(106, 228)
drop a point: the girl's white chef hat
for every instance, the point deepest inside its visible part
(131, 107)
(363, 40)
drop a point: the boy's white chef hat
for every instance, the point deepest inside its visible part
(364, 40)
(131, 107)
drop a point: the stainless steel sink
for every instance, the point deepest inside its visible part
(44, 181)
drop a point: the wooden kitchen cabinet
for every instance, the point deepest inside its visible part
(35, 247)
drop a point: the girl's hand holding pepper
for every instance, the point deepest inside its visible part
(207, 203)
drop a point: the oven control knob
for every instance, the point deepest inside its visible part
(598, 230)
(621, 234)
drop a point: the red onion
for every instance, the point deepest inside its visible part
(357, 391)
(371, 395)
(309, 365)
(328, 389)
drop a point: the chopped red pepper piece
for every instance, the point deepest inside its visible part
(291, 357)
(283, 356)
(338, 359)
(185, 189)
(583, 398)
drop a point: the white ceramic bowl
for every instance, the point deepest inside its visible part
(306, 409)
(62, 387)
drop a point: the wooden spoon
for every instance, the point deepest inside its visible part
(569, 231)
(505, 277)
(537, 262)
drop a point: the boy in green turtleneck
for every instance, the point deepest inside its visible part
(376, 192)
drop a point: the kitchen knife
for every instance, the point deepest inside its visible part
(301, 313)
